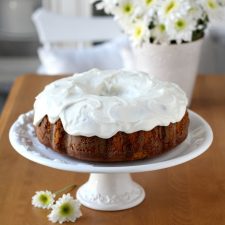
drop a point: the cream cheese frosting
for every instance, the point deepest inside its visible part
(101, 103)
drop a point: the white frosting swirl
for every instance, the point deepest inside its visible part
(101, 103)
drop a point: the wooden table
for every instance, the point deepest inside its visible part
(188, 194)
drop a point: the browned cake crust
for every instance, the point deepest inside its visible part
(120, 147)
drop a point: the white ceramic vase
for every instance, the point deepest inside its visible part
(176, 63)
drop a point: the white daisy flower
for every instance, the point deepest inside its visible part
(150, 6)
(66, 209)
(140, 33)
(196, 11)
(125, 8)
(211, 4)
(149, 3)
(43, 199)
(213, 8)
(159, 34)
(181, 29)
(172, 8)
(124, 13)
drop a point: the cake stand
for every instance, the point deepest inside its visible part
(110, 186)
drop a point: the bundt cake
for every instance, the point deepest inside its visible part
(111, 116)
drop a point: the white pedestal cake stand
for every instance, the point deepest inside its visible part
(110, 186)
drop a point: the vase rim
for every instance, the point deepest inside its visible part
(173, 45)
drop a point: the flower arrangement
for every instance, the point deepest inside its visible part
(162, 21)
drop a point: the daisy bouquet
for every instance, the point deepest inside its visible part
(162, 21)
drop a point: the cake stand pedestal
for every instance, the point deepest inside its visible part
(110, 192)
(110, 186)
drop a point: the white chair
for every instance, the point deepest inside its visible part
(66, 42)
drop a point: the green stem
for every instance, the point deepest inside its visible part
(67, 188)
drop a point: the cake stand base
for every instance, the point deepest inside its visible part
(110, 192)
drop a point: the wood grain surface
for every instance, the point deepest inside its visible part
(189, 194)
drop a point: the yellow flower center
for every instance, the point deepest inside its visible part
(162, 28)
(127, 8)
(65, 209)
(138, 32)
(148, 2)
(212, 4)
(180, 24)
(170, 6)
(44, 199)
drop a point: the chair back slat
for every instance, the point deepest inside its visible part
(55, 28)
